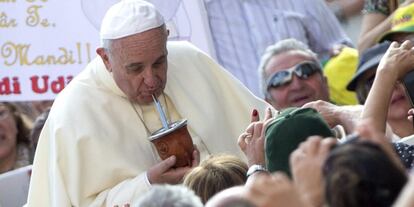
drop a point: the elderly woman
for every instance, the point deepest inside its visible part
(15, 146)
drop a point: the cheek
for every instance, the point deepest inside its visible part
(12, 129)
(9, 129)
(161, 73)
(278, 95)
(316, 84)
(127, 83)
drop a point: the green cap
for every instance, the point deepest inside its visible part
(287, 131)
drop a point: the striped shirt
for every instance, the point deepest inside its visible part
(242, 29)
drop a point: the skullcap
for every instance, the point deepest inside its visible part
(129, 17)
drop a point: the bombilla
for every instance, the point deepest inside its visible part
(160, 112)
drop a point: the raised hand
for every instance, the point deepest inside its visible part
(251, 141)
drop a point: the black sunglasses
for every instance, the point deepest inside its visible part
(303, 70)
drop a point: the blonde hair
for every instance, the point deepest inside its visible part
(215, 174)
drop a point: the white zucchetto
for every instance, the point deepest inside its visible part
(129, 17)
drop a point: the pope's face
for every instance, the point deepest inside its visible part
(139, 64)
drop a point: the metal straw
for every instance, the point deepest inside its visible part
(161, 112)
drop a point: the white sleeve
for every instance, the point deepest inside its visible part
(124, 193)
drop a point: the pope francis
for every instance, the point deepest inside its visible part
(94, 148)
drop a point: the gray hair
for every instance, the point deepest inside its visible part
(278, 48)
(169, 196)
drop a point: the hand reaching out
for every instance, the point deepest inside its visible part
(251, 142)
(306, 164)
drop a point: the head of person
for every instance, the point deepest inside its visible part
(402, 25)
(361, 174)
(37, 128)
(231, 197)
(364, 77)
(291, 127)
(291, 75)
(215, 174)
(133, 49)
(13, 131)
(169, 195)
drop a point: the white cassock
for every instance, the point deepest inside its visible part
(94, 149)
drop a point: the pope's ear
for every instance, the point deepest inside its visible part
(105, 58)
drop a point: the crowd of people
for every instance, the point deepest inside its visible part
(292, 146)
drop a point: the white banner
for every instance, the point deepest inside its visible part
(45, 43)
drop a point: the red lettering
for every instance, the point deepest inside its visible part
(16, 86)
(6, 86)
(35, 84)
(69, 78)
(58, 85)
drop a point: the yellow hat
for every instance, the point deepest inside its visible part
(402, 22)
(339, 70)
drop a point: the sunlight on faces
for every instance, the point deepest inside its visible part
(139, 64)
(298, 91)
(8, 132)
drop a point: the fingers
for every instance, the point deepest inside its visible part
(311, 145)
(155, 173)
(255, 116)
(268, 114)
(394, 45)
(407, 45)
(309, 105)
(411, 114)
(166, 164)
(296, 157)
(257, 130)
(240, 141)
(326, 146)
(196, 157)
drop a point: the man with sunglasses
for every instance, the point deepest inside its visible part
(291, 75)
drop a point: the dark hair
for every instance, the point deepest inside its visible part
(23, 130)
(37, 127)
(215, 174)
(360, 173)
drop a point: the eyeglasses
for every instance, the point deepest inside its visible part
(303, 70)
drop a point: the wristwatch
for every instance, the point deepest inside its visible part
(255, 168)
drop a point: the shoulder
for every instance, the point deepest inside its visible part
(406, 153)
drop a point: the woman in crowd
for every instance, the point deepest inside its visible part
(15, 145)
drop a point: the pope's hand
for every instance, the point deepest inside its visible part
(164, 172)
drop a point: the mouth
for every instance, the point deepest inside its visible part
(300, 100)
(397, 99)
